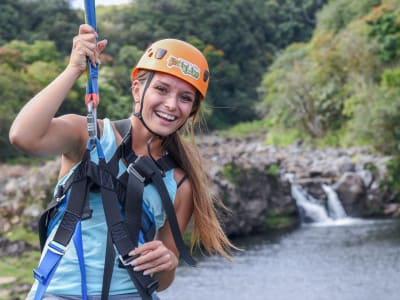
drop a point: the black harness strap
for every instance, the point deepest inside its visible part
(125, 233)
(73, 213)
(173, 222)
(153, 171)
(146, 168)
(108, 267)
(124, 240)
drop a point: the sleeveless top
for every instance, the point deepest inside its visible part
(67, 280)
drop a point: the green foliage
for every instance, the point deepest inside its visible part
(272, 170)
(34, 20)
(384, 25)
(335, 89)
(232, 172)
(40, 50)
(21, 233)
(393, 174)
(237, 59)
(300, 95)
(257, 127)
(282, 137)
(275, 220)
(337, 14)
(19, 268)
(36, 37)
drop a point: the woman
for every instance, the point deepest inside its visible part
(168, 85)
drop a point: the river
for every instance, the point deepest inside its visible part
(347, 260)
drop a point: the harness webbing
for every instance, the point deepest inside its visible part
(123, 226)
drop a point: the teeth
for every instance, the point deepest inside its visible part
(166, 116)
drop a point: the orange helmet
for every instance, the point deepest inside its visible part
(178, 58)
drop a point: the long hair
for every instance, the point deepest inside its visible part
(207, 230)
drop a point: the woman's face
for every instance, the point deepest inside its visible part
(168, 102)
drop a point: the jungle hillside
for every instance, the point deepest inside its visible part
(318, 72)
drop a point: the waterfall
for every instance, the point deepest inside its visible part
(311, 211)
(335, 208)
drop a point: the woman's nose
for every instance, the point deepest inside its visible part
(171, 102)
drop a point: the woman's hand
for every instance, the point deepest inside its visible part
(154, 257)
(85, 46)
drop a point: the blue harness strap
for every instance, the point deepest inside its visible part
(70, 227)
(92, 90)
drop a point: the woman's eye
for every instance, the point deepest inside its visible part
(187, 98)
(161, 89)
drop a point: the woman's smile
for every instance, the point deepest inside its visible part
(166, 116)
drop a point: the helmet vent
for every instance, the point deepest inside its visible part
(150, 52)
(160, 53)
(206, 75)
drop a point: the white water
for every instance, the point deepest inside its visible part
(335, 207)
(360, 261)
(311, 211)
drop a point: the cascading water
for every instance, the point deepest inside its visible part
(311, 211)
(335, 207)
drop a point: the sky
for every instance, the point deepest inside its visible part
(79, 3)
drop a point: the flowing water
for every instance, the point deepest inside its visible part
(345, 259)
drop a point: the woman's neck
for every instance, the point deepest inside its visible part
(141, 137)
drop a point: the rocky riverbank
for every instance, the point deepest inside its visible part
(249, 176)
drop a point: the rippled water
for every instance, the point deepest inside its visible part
(350, 260)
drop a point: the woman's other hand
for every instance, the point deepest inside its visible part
(154, 257)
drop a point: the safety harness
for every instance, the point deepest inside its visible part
(127, 218)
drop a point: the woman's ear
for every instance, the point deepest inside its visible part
(136, 91)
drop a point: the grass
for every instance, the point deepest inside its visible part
(20, 269)
(20, 233)
(257, 127)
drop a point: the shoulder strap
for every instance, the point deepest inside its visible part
(123, 126)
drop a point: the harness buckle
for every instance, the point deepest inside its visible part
(127, 259)
(56, 248)
(59, 199)
(132, 171)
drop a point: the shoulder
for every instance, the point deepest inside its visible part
(184, 194)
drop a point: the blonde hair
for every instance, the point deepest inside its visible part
(207, 230)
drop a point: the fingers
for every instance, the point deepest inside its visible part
(85, 46)
(154, 257)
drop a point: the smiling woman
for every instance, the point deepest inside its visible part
(130, 189)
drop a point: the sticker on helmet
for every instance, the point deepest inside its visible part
(186, 67)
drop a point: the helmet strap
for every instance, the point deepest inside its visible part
(139, 113)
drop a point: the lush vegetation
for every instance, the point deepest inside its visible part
(341, 86)
(324, 72)
(240, 39)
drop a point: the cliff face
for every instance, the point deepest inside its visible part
(250, 178)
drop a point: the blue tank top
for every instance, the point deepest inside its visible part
(67, 280)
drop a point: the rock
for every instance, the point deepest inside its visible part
(352, 192)
(7, 280)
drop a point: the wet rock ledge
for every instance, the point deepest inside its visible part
(249, 176)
